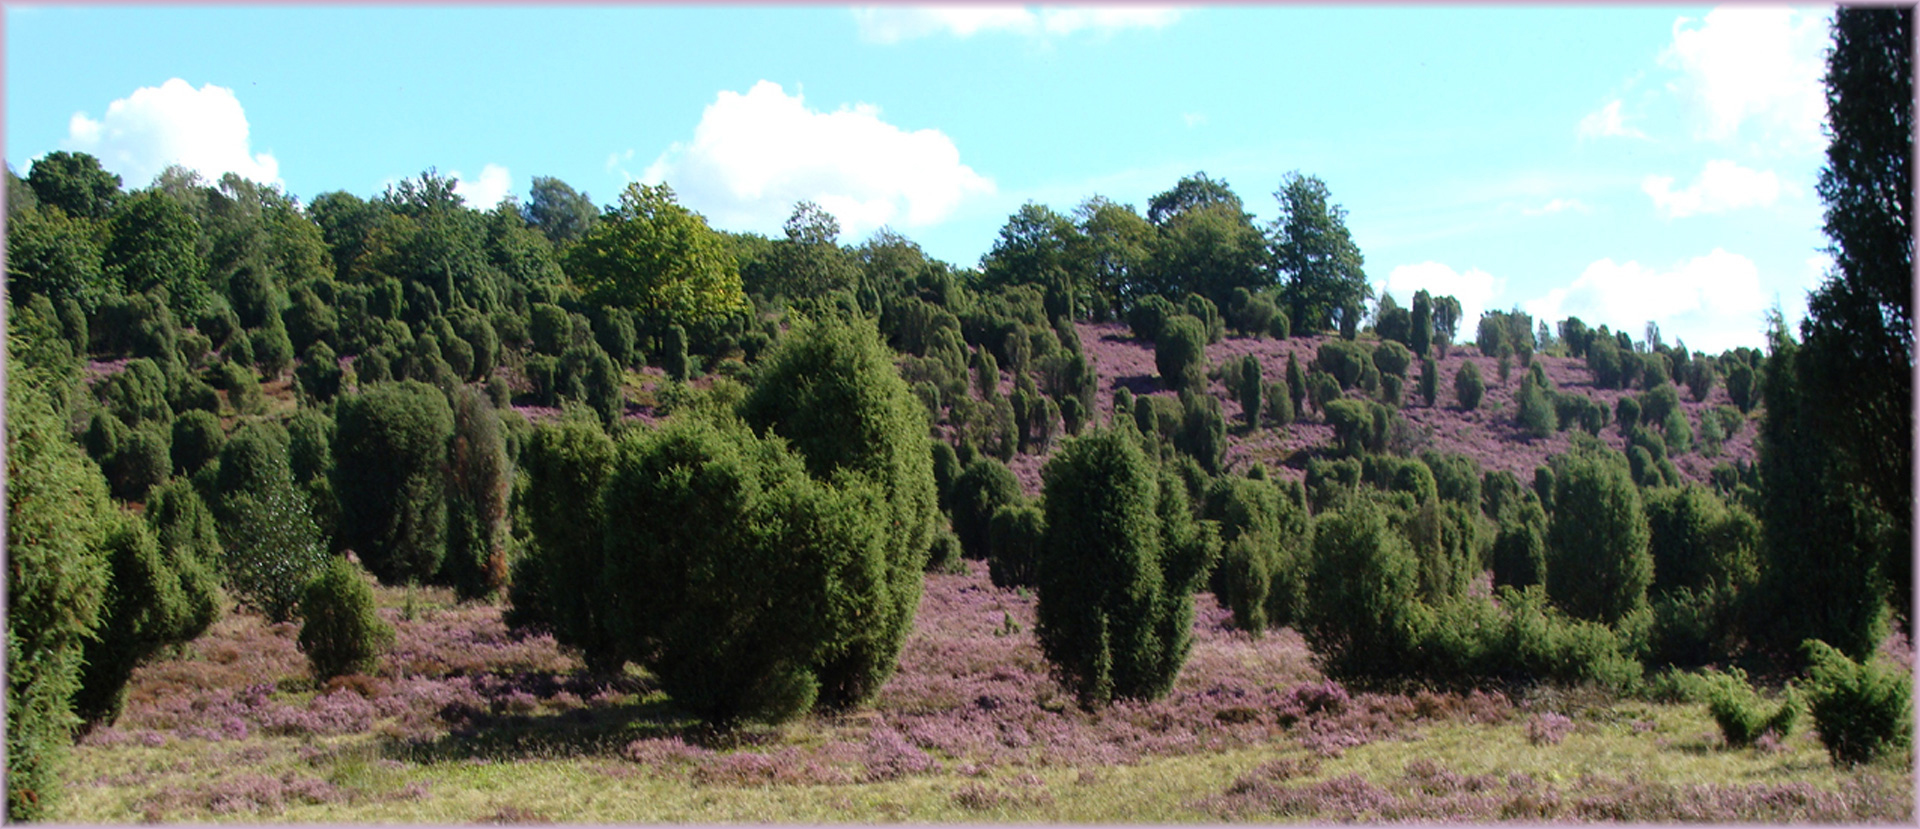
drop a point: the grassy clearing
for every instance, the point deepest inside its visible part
(468, 722)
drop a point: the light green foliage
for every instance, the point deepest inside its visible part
(1678, 430)
(151, 603)
(652, 255)
(153, 242)
(390, 452)
(1598, 566)
(1534, 413)
(1392, 358)
(1345, 360)
(1116, 573)
(831, 390)
(1740, 713)
(1863, 711)
(340, 631)
(737, 574)
(273, 547)
(58, 514)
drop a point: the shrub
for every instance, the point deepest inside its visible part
(1429, 380)
(558, 581)
(320, 374)
(1344, 359)
(736, 574)
(1352, 422)
(1678, 431)
(1015, 535)
(340, 632)
(1657, 402)
(982, 489)
(309, 445)
(151, 603)
(273, 547)
(1740, 386)
(1363, 577)
(477, 482)
(1468, 387)
(1863, 711)
(1739, 712)
(1277, 405)
(1322, 389)
(390, 453)
(272, 350)
(1267, 533)
(1520, 548)
(1248, 387)
(189, 540)
(1392, 358)
(1296, 384)
(1598, 566)
(1180, 354)
(1203, 431)
(143, 459)
(1148, 315)
(1697, 540)
(1117, 570)
(1534, 412)
(550, 329)
(1700, 377)
(944, 554)
(831, 390)
(58, 513)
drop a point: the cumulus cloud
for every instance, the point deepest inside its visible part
(1475, 288)
(1722, 186)
(754, 155)
(1607, 122)
(1753, 64)
(1714, 302)
(892, 24)
(485, 192)
(204, 130)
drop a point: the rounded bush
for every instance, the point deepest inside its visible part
(1179, 354)
(340, 631)
(1015, 535)
(390, 454)
(1468, 387)
(982, 489)
(1363, 581)
(1862, 711)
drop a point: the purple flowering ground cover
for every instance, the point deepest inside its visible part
(467, 721)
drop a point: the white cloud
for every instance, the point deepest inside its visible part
(204, 130)
(754, 155)
(1475, 288)
(1753, 64)
(1607, 121)
(1193, 119)
(1557, 206)
(1714, 302)
(1723, 186)
(892, 24)
(485, 192)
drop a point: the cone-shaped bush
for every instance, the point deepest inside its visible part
(736, 574)
(340, 631)
(1117, 571)
(982, 489)
(389, 476)
(1015, 535)
(1468, 387)
(477, 481)
(832, 391)
(1363, 615)
(1598, 564)
(558, 580)
(1180, 354)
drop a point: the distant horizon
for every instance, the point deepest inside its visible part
(1622, 165)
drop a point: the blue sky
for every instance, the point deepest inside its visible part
(1621, 164)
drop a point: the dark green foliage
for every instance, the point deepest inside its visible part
(1445, 538)
(1015, 535)
(734, 572)
(1543, 478)
(1658, 402)
(1359, 426)
(981, 489)
(309, 445)
(340, 632)
(142, 459)
(831, 390)
(1421, 323)
(1678, 431)
(1607, 363)
(946, 469)
(57, 516)
(1268, 534)
(1117, 570)
(1278, 406)
(138, 394)
(1456, 477)
(1740, 713)
(1520, 547)
(390, 453)
(550, 329)
(557, 583)
(1203, 309)
(1534, 413)
(1180, 354)
(254, 460)
(1248, 386)
(1329, 483)
(673, 354)
(320, 374)
(1822, 535)
(75, 183)
(1626, 414)
(154, 243)
(1243, 581)
(943, 556)
(1598, 566)
(1500, 495)
(1296, 384)
(1863, 711)
(1698, 541)
(151, 602)
(1363, 613)
(1740, 386)
(1322, 389)
(1429, 380)
(272, 350)
(1148, 315)
(1203, 431)
(1343, 359)
(1468, 387)
(1392, 358)
(1699, 376)
(477, 480)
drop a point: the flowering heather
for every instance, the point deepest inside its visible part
(1548, 728)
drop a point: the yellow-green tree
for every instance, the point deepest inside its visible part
(656, 256)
